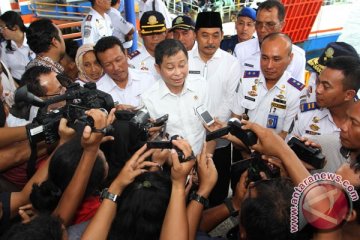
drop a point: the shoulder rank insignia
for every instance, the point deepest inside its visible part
(251, 74)
(296, 84)
(89, 17)
(133, 54)
(227, 37)
(308, 106)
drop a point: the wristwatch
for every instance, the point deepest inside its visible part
(230, 207)
(196, 197)
(105, 194)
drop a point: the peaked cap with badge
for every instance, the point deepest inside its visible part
(333, 49)
(208, 20)
(152, 22)
(183, 22)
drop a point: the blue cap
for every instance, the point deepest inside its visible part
(247, 12)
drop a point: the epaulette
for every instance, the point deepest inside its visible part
(296, 84)
(227, 37)
(305, 107)
(133, 54)
(251, 74)
(89, 17)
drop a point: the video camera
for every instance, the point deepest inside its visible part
(248, 137)
(167, 145)
(308, 154)
(78, 100)
(254, 165)
(139, 122)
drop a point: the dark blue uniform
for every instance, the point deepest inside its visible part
(228, 43)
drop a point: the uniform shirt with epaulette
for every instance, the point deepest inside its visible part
(248, 53)
(94, 27)
(142, 60)
(273, 108)
(228, 43)
(311, 120)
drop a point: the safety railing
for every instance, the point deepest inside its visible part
(72, 25)
(227, 8)
(72, 12)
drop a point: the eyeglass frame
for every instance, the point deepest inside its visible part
(62, 91)
(267, 25)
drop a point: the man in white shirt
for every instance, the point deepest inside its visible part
(122, 29)
(269, 19)
(270, 97)
(97, 23)
(183, 28)
(124, 84)
(152, 31)
(222, 73)
(177, 94)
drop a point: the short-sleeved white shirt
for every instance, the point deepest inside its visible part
(17, 60)
(282, 100)
(137, 84)
(314, 122)
(94, 27)
(183, 119)
(249, 54)
(222, 74)
(142, 60)
(121, 26)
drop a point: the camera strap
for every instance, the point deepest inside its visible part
(32, 161)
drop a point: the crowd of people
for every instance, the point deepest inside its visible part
(77, 155)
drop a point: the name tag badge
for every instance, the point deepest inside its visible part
(250, 98)
(272, 121)
(194, 72)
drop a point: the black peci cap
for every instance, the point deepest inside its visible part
(208, 20)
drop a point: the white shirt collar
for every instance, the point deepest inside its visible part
(164, 90)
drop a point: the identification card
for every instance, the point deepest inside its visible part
(272, 121)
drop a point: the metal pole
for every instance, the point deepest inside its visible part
(131, 17)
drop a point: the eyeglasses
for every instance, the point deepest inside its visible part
(266, 25)
(61, 92)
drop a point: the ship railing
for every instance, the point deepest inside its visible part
(59, 11)
(227, 8)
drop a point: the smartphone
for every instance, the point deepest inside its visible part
(204, 115)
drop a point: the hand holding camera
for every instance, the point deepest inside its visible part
(207, 173)
(307, 153)
(234, 126)
(181, 168)
(183, 150)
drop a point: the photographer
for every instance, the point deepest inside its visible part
(43, 83)
(76, 184)
(177, 94)
(271, 145)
